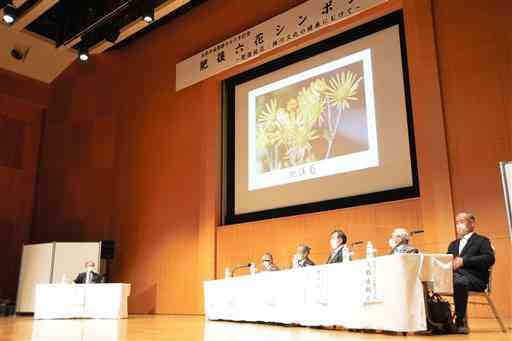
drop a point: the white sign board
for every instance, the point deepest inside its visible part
(506, 179)
(296, 23)
(36, 267)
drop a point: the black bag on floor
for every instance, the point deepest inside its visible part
(439, 315)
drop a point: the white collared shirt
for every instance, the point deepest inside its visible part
(88, 277)
(464, 241)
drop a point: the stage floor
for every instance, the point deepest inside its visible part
(195, 328)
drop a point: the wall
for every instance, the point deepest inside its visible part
(127, 158)
(22, 102)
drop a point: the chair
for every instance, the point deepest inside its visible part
(487, 295)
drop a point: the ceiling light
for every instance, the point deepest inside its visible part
(83, 54)
(148, 11)
(149, 18)
(9, 13)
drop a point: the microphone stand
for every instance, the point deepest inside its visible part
(240, 267)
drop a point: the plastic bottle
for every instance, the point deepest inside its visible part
(370, 250)
(346, 254)
(227, 273)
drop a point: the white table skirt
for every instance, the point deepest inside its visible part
(383, 293)
(102, 301)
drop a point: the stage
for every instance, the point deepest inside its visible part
(195, 328)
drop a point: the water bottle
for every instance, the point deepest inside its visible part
(370, 250)
(227, 273)
(252, 269)
(346, 254)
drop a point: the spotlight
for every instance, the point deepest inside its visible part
(148, 11)
(83, 54)
(149, 17)
(20, 52)
(9, 13)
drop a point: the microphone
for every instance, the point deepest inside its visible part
(359, 242)
(243, 266)
(416, 232)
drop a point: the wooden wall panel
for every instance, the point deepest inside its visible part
(12, 139)
(29, 90)
(240, 244)
(19, 156)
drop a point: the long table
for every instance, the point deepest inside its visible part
(63, 301)
(382, 293)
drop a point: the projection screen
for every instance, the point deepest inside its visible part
(325, 127)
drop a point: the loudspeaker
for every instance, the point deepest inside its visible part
(107, 249)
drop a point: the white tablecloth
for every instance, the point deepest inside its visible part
(383, 293)
(103, 301)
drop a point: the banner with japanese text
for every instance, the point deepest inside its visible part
(296, 23)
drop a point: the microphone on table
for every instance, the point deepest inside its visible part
(243, 266)
(359, 242)
(416, 232)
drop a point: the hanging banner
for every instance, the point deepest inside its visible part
(296, 23)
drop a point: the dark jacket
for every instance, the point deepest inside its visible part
(304, 263)
(96, 278)
(404, 248)
(478, 256)
(337, 258)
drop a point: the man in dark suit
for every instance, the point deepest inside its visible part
(89, 276)
(338, 242)
(473, 256)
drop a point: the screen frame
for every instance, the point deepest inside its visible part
(229, 111)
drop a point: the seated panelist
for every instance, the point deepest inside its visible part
(89, 276)
(338, 242)
(473, 257)
(301, 258)
(268, 262)
(399, 242)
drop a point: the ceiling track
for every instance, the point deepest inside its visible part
(98, 23)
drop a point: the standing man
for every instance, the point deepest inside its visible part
(473, 256)
(338, 242)
(89, 276)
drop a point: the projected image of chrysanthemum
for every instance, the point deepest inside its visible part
(315, 119)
